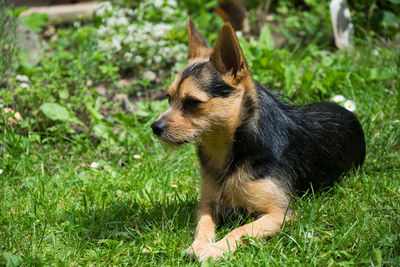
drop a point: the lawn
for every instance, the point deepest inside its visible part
(83, 181)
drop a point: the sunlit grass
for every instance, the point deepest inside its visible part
(58, 208)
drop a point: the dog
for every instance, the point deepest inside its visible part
(255, 150)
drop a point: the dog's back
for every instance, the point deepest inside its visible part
(304, 146)
(332, 144)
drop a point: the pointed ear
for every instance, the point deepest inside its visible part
(228, 55)
(198, 46)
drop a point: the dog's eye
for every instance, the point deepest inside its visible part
(191, 103)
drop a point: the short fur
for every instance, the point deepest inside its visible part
(255, 150)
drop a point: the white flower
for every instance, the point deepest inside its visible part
(129, 39)
(157, 59)
(111, 22)
(116, 45)
(104, 7)
(117, 21)
(171, 3)
(24, 85)
(338, 98)
(22, 78)
(130, 12)
(1, 171)
(158, 3)
(138, 59)
(308, 235)
(128, 55)
(131, 28)
(350, 105)
(122, 21)
(137, 157)
(94, 165)
(168, 11)
(102, 31)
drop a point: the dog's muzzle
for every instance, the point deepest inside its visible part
(158, 127)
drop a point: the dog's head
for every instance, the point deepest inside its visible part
(205, 98)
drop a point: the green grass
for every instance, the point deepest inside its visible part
(55, 209)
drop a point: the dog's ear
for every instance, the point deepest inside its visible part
(198, 46)
(227, 55)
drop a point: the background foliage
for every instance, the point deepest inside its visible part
(7, 36)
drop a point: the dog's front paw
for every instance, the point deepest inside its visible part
(196, 248)
(214, 250)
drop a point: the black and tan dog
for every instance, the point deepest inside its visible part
(255, 150)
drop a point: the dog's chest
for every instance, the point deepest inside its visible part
(233, 191)
(230, 194)
(241, 191)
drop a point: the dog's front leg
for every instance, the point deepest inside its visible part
(205, 233)
(268, 225)
(205, 230)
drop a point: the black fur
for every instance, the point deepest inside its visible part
(299, 146)
(220, 89)
(194, 69)
(199, 70)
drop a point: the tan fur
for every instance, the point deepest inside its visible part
(198, 47)
(262, 197)
(189, 88)
(227, 54)
(267, 225)
(212, 125)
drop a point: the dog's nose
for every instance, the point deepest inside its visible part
(158, 127)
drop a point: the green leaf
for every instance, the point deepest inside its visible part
(379, 74)
(17, 11)
(378, 257)
(265, 39)
(389, 18)
(35, 21)
(291, 77)
(11, 260)
(94, 113)
(55, 111)
(103, 131)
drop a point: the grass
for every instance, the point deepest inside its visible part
(55, 209)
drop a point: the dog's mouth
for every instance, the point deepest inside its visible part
(170, 139)
(160, 129)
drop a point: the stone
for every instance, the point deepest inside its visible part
(101, 89)
(125, 82)
(341, 22)
(150, 75)
(30, 42)
(119, 97)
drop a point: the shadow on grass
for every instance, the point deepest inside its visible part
(126, 220)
